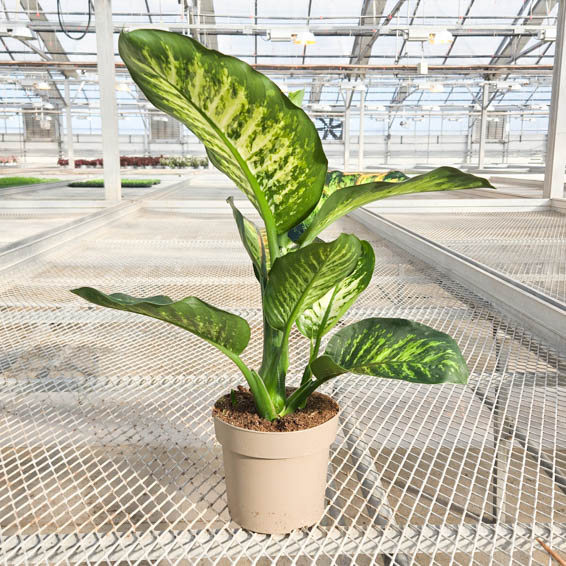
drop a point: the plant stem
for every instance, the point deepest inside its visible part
(262, 399)
(275, 363)
(301, 395)
(272, 242)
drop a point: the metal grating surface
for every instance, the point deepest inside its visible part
(107, 444)
(527, 246)
(17, 225)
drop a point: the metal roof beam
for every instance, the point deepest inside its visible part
(361, 50)
(404, 91)
(464, 18)
(52, 45)
(336, 69)
(510, 47)
(530, 49)
(49, 38)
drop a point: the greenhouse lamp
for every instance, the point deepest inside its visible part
(436, 87)
(304, 38)
(441, 37)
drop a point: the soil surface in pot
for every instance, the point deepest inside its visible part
(319, 409)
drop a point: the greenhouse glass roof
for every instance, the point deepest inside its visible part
(386, 43)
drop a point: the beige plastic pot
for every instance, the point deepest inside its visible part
(275, 481)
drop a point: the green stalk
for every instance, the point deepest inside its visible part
(275, 363)
(272, 242)
(300, 396)
(262, 399)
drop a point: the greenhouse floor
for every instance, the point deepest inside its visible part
(107, 443)
(527, 246)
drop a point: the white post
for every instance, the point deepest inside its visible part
(69, 125)
(483, 125)
(388, 137)
(361, 138)
(556, 144)
(346, 135)
(108, 107)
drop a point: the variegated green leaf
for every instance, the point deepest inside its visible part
(296, 97)
(393, 348)
(225, 330)
(253, 133)
(299, 279)
(336, 180)
(323, 315)
(345, 200)
(252, 240)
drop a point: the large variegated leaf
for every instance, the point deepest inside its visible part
(345, 200)
(336, 180)
(323, 315)
(393, 348)
(252, 240)
(224, 330)
(299, 279)
(253, 133)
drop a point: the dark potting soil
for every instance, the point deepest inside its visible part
(319, 409)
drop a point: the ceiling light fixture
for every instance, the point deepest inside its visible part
(547, 34)
(321, 108)
(303, 38)
(442, 37)
(7, 29)
(417, 33)
(297, 36)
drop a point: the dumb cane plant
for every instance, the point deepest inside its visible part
(266, 144)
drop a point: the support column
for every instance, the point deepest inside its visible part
(469, 140)
(347, 95)
(388, 137)
(346, 134)
(361, 138)
(556, 144)
(69, 125)
(483, 125)
(108, 107)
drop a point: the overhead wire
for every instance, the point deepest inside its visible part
(62, 23)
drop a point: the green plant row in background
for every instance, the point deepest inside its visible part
(133, 161)
(183, 162)
(125, 183)
(6, 182)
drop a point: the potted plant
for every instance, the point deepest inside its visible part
(276, 439)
